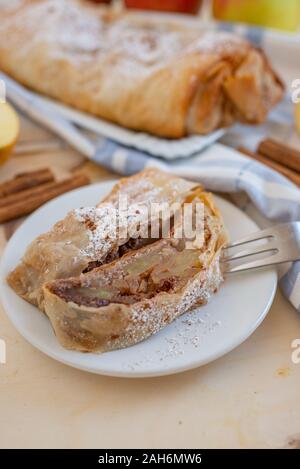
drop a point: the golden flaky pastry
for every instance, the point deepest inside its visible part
(124, 302)
(147, 75)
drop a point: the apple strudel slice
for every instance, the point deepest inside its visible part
(124, 302)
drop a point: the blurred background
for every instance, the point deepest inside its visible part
(278, 14)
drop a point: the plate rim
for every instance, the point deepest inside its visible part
(173, 369)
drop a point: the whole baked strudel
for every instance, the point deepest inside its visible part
(143, 74)
(105, 288)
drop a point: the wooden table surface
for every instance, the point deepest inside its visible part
(248, 398)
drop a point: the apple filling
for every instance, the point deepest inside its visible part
(142, 268)
(131, 244)
(164, 266)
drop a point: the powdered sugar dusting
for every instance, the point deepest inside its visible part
(154, 186)
(63, 25)
(81, 32)
(107, 227)
(220, 43)
(188, 334)
(99, 228)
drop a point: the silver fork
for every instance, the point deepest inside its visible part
(281, 244)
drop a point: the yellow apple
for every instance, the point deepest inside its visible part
(271, 13)
(9, 130)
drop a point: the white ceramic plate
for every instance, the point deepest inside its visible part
(157, 146)
(192, 340)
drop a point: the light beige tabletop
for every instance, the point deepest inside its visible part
(248, 398)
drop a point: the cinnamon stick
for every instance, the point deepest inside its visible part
(25, 181)
(22, 196)
(288, 173)
(26, 201)
(280, 153)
